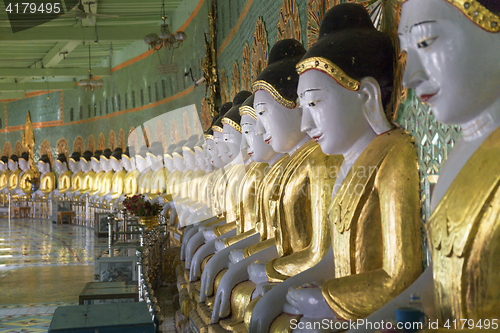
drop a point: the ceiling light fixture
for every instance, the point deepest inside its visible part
(90, 83)
(165, 38)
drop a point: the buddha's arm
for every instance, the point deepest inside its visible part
(13, 181)
(117, 188)
(394, 200)
(48, 184)
(320, 189)
(26, 184)
(106, 186)
(64, 183)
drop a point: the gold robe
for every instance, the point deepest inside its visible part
(118, 184)
(76, 181)
(464, 236)
(145, 182)
(302, 228)
(14, 179)
(158, 182)
(64, 181)
(96, 183)
(106, 183)
(4, 179)
(24, 181)
(130, 183)
(87, 182)
(48, 183)
(173, 186)
(375, 225)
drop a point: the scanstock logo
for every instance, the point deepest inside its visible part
(26, 14)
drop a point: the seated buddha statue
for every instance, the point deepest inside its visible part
(25, 178)
(461, 282)
(95, 161)
(159, 176)
(14, 174)
(64, 179)
(88, 174)
(130, 187)
(168, 162)
(47, 178)
(5, 172)
(77, 178)
(118, 179)
(105, 182)
(145, 169)
(375, 211)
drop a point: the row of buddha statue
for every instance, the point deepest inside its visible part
(310, 207)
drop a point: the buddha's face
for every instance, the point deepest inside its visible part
(23, 164)
(179, 163)
(332, 114)
(189, 160)
(61, 166)
(254, 144)
(214, 158)
(115, 164)
(200, 159)
(222, 148)
(126, 163)
(169, 162)
(12, 165)
(41, 167)
(279, 126)
(105, 165)
(3, 166)
(451, 62)
(232, 138)
(141, 163)
(85, 165)
(73, 166)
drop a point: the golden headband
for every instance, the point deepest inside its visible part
(232, 123)
(150, 153)
(125, 156)
(186, 148)
(139, 156)
(167, 156)
(325, 65)
(217, 129)
(115, 158)
(249, 111)
(263, 85)
(177, 154)
(198, 148)
(208, 136)
(477, 13)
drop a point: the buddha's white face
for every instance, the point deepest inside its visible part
(200, 159)
(222, 148)
(179, 163)
(279, 126)
(105, 165)
(451, 62)
(12, 165)
(96, 165)
(189, 160)
(215, 160)
(23, 164)
(85, 165)
(74, 166)
(126, 163)
(61, 167)
(115, 164)
(41, 167)
(141, 163)
(169, 163)
(255, 145)
(232, 138)
(332, 115)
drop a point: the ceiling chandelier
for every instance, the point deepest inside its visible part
(165, 38)
(90, 83)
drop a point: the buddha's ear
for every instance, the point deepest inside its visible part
(373, 110)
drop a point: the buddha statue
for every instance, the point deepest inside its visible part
(95, 161)
(5, 172)
(130, 187)
(47, 178)
(25, 178)
(64, 179)
(105, 182)
(159, 176)
(451, 49)
(14, 174)
(88, 173)
(294, 234)
(374, 214)
(168, 162)
(118, 179)
(76, 167)
(145, 169)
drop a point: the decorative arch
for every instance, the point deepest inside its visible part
(235, 80)
(46, 150)
(186, 125)
(7, 149)
(133, 140)
(148, 138)
(224, 88)
(246, 83)
(161, 136)
(18, 148)
(206, 120)
(121, 140)
(79, 145)
(101, 142)
(289, 22)
(175, 134)
(91, 143)
(112, 140)
(260, 49)
(62, 147)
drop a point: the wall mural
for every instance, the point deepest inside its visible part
(246, 84)
(146, 133)
(122, 143)
(235, 80)
(175, 134)
(133, 140)
(224, 88)
(101, 142)
(289, 21)
(46, 150)
(7, 149)
(206, 119)
(161, 136)
(260, 49)
(91, 143)
(18, 148)
(79, 145)
(62, 147)
(112, 140)
(316, 9)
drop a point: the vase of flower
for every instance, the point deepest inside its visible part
(145, 211)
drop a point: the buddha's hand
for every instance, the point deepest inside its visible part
(219, 245)
(257, 273)
(235, 256)
(209, 234)
(308, 300)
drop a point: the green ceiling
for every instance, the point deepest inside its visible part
(28, 55)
